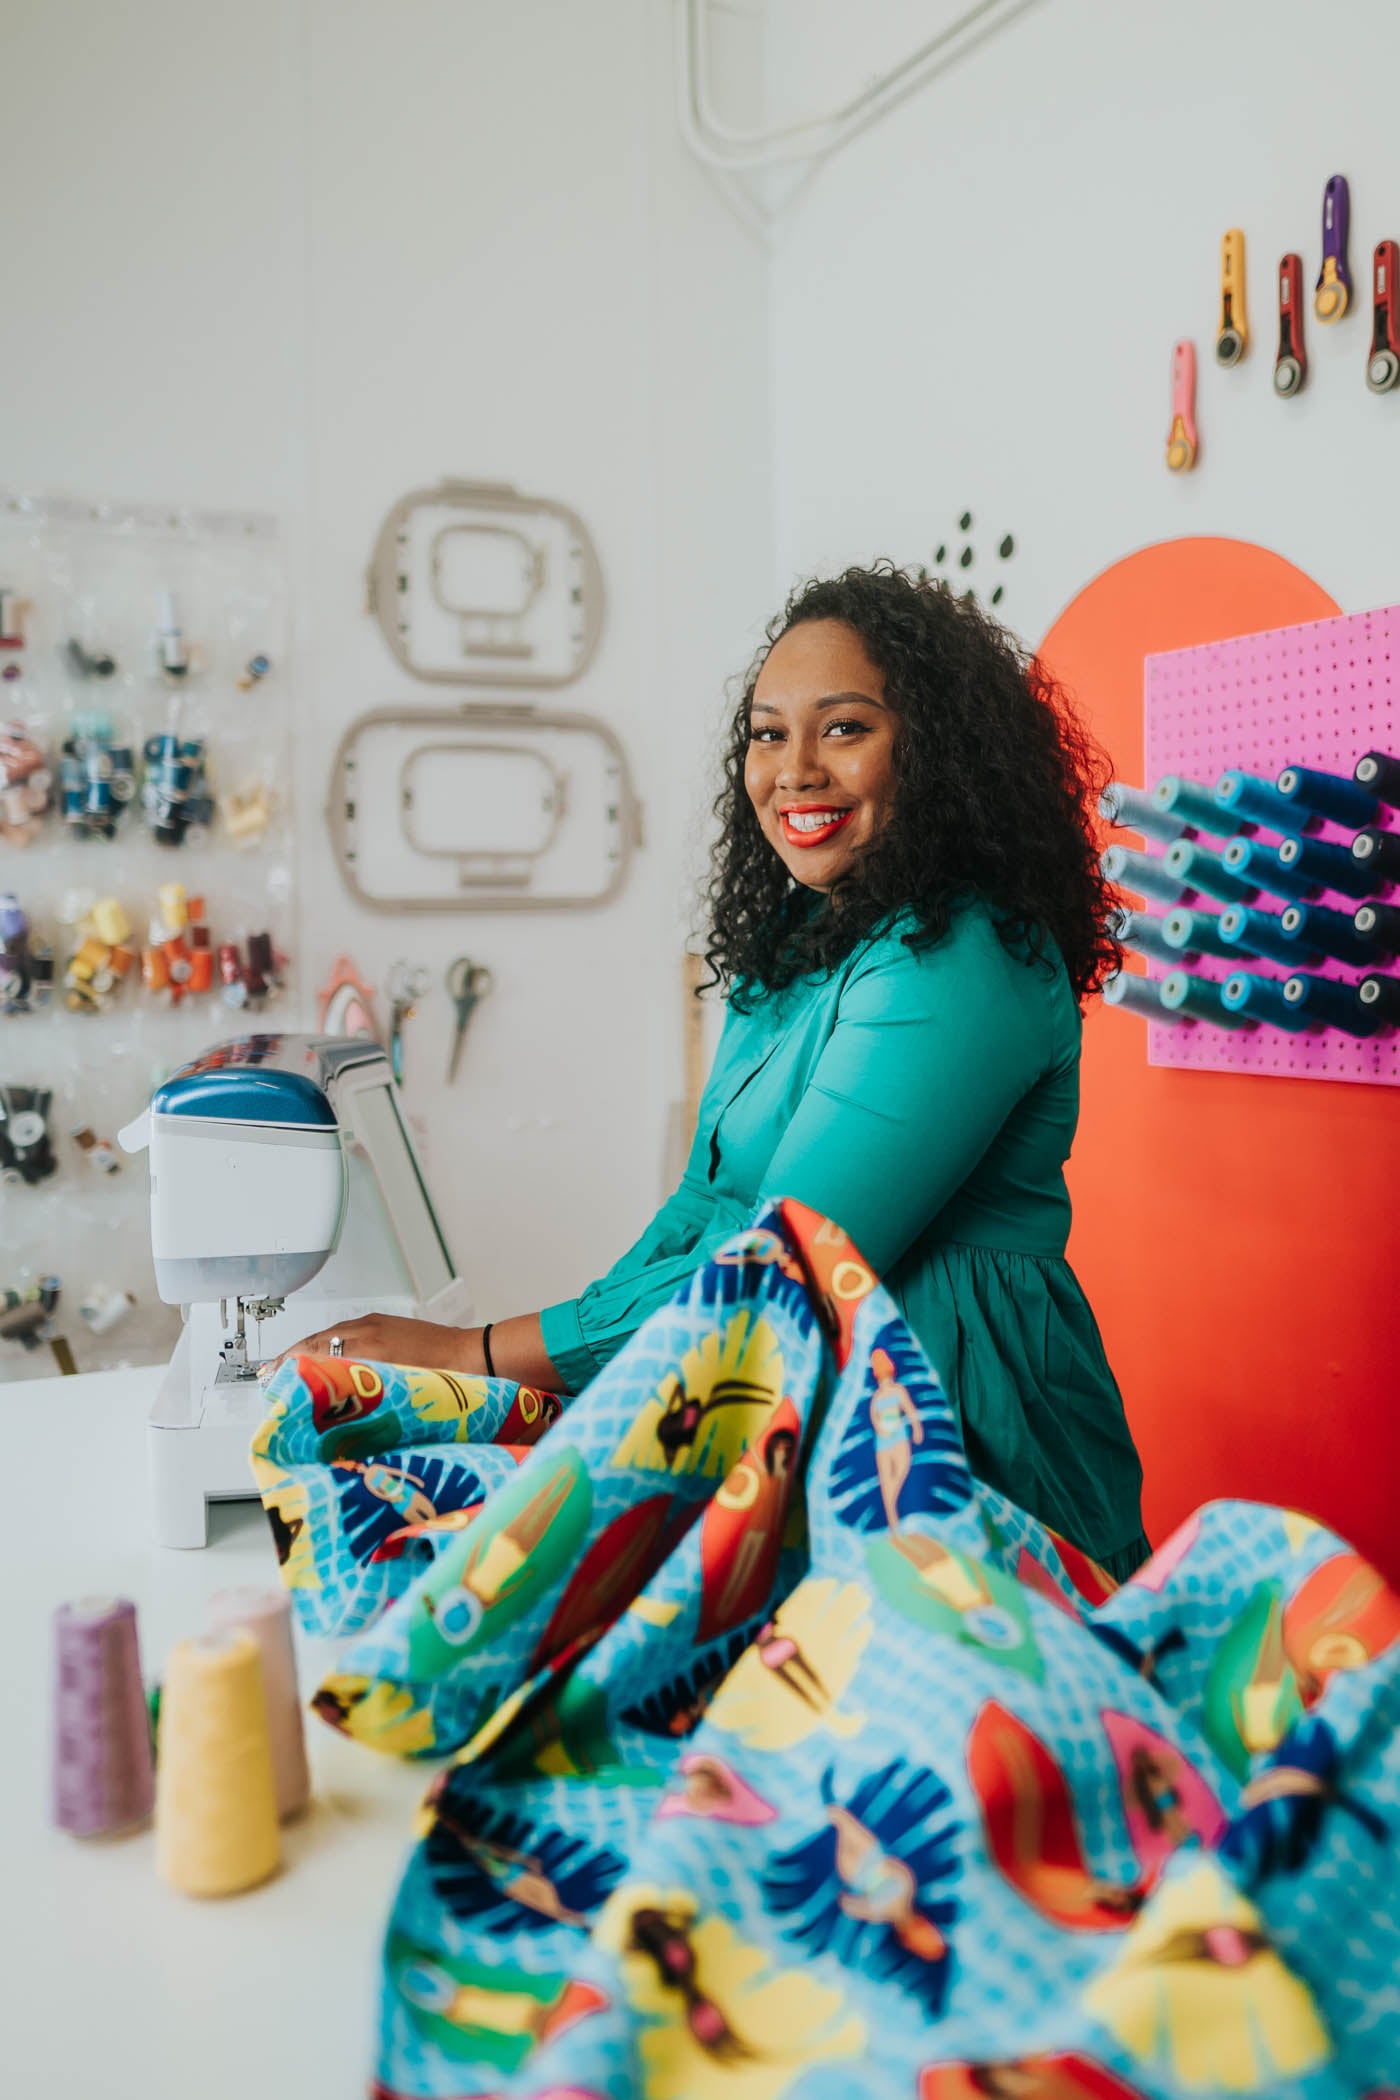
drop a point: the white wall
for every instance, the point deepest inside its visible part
(974, 304)
(302, 255)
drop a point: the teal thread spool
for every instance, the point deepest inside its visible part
(1254, 862)
(1198, 999)
(1261, 933)
(1379, 927)
(1134, 995)
(1204, 871)
(1329, 1001)
(1327, 932)
(1142, 933)
(1328, 795)
(1140, 872)
(1379, 774)
(1194, 933)
(1134, 809)
(1261, 999)
(1192, 803)
(1247, 799)
(1378, 852)
(1380, 996)
(1328, 867)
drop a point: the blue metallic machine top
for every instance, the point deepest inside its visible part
(277, 1080)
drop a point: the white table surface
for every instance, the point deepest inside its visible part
(110, 1983)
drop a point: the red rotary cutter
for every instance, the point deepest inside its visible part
(1291, 364)
(1383, 365)
(1182, 442)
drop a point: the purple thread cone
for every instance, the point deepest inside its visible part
(103, 1770)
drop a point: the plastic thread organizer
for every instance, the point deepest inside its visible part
(163, 626)
(1321, 695)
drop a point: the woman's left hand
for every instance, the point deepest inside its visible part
(384, 1338)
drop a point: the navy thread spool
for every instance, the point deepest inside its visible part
(1246, 932)
(1328, 795)
(1327, 867)
(103, 1770)
(1140, 872)
(1381, 996)
(1247, 799)
(1135, 995)
(1194, 933)
(1380, 774)
(1135, 810)
(1261, 999)
(1379, 853)
(1192, 803)
(1379, 927)
(1328, 932)
(1139, 931)
(1204, 871)
(1330, 1001)
(1255, 862)
(1197, 997)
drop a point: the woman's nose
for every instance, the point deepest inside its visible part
(801, 767)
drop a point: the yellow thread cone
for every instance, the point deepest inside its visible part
(267, 1615)
(216, 1805)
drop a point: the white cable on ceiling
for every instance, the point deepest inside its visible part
(721, 147)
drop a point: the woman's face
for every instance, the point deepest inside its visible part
(820, 763)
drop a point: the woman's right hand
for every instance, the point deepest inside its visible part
(385, 1338)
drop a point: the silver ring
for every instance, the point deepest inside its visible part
(337, 1346)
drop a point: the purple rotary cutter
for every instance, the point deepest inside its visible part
(1332, 293)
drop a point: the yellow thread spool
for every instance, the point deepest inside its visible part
(216, 1805)
(174, 906)
(109, 922)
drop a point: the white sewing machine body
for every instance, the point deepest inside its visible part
(283, 1182)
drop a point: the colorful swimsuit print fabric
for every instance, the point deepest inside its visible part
(789, 1762)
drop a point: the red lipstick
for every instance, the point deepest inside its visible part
(818, 834)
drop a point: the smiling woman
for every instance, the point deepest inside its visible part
(906, 913)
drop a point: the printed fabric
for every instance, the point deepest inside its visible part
(787, 1759)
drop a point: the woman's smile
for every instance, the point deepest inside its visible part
(812, 825)
(820, 764)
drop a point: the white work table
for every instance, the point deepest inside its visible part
(113, 1984)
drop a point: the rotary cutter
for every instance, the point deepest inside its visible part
(1383, 365)
(1332, 293)
(1291, 364)
(1232, 336)
(1182, 442)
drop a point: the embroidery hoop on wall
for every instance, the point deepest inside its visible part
(488, 880)
(407, 585)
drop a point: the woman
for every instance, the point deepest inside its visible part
(906, 914)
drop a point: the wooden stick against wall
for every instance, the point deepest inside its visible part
(693, 975)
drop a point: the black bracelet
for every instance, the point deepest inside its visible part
(486, 1348)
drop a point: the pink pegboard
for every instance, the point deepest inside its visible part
(1318, 695)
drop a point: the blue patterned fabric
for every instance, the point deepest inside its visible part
(790, 1760)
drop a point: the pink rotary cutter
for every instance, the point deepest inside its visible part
(1182, 442)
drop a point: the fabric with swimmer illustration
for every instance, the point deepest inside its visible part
(788, 1759)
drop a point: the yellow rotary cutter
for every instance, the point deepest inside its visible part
(1232, 336)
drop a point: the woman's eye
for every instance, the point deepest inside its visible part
(861, 727)
(762, 736)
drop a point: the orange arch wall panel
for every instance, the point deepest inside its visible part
(1234, 1233)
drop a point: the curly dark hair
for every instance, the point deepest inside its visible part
(996, 777)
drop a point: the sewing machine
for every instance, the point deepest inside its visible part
(285, 1196)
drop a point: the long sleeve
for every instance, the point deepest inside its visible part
(929, 1056)
(581, 1334)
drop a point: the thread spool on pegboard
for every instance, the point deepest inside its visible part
(266, 1614)
(1292, 733)
(216, 1798)
(103, 1768)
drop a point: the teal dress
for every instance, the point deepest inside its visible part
(926, 1101)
